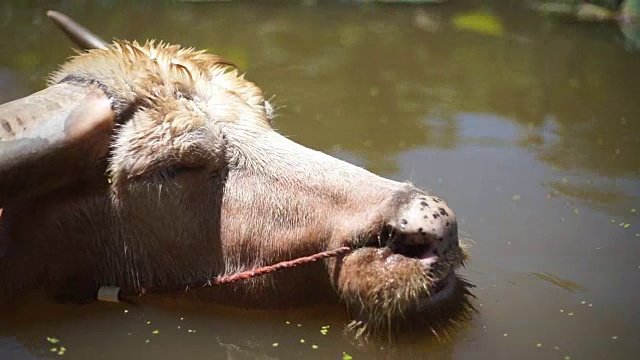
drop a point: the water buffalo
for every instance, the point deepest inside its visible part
(154, 164)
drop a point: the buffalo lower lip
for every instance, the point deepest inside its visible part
(441, 291)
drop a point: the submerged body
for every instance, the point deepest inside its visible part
(193, 183)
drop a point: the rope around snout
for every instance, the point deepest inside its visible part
(113, 294)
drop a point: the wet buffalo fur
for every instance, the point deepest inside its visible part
(198, 184)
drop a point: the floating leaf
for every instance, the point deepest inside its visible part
(480, 22)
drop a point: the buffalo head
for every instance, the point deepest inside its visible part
(142, 165)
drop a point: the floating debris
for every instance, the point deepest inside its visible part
(301, 341)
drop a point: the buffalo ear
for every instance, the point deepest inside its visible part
(52, 139)
(80, 36)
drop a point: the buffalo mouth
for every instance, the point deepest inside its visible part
(400, 284)
(440, 268)
(393, 288)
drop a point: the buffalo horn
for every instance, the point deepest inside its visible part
(52, 139)
(82, 37)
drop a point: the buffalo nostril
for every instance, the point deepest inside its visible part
(426, 223)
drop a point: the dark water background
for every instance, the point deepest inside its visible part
(528, 126)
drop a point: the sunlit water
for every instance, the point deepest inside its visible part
(528, 127)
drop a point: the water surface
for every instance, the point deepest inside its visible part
(527, 126)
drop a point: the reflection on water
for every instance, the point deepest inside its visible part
(528, 127)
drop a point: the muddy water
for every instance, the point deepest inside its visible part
(528, 127)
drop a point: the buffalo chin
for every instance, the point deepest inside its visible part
(438, 321)
(390, 297)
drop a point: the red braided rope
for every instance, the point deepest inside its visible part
(241, 276)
